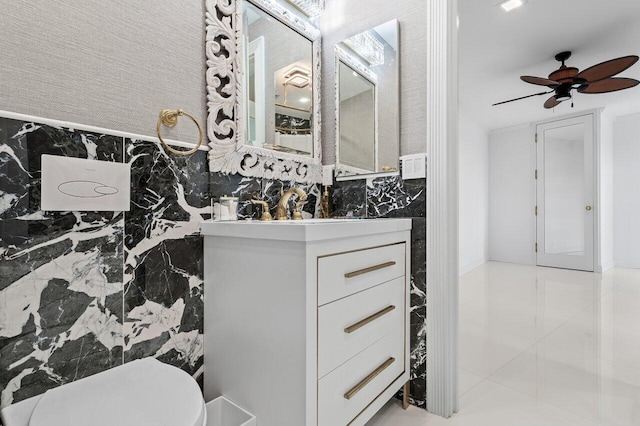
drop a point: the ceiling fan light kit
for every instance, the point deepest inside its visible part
(595, 79)
(563, 95)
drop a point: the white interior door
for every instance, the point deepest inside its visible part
(566, 193)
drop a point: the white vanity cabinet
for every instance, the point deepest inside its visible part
(307, 322)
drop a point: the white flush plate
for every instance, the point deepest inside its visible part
(76, 184)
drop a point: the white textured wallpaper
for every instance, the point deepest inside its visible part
(344, 18)
(112, 64)
(116, 64)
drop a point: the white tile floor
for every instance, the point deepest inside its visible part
(543, 346)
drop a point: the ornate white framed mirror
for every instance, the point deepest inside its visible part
(263, 91)
(368, 102)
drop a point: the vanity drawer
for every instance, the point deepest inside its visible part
(349, 325)
(344, 274)
(349, 389)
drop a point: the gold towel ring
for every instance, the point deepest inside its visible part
(169, 118)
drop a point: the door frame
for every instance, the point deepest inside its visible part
(597, 176)
(587, 261)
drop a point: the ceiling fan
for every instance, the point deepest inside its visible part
(595, 79)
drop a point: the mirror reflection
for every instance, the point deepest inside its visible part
(367, 101)
(279, 78)
(357, 106)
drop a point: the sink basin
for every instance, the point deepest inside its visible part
(303, 230)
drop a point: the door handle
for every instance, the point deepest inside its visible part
(588, 208)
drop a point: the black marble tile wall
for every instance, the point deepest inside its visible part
(418, 313)
(81, 292)
(248, 188)
(163, 276)
(349, 198)
(393, 197)
(61, 273)
(390, 196)
(245, 188)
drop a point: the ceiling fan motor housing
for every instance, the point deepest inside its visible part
(564, 74)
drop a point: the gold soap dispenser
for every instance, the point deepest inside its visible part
(325, 210)
(325, 199)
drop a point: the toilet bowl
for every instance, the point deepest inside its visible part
(140, 393)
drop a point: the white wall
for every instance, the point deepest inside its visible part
(344, 18)
(626, 191)
(512, 195)
(473, 175)
(607, 207)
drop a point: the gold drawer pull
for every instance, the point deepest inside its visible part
(369, 269)
(357, 388)
(367, 320)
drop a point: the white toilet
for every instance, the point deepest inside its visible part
(140, 393)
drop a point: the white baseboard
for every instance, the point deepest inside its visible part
(470, 266)
(606, 266)
(631, 264)
(520, 260)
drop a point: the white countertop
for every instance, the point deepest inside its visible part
(303, 230)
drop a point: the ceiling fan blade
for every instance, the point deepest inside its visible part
(607, 69)
(523, 97)
(551, 102)
(539, 81)
(609, 85)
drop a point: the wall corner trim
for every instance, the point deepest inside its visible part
(442, 207)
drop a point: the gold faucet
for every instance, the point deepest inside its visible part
(266, 214)
(297, 214)
(283, 204)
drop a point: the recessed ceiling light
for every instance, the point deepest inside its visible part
(509, 5)
(304, 100)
